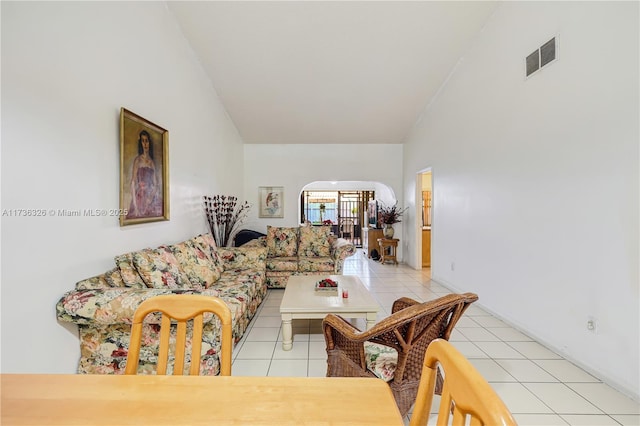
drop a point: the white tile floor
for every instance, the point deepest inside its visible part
(538, 386)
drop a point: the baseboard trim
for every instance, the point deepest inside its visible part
(631, 393)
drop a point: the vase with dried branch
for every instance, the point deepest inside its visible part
(225, 215)
(388, 216)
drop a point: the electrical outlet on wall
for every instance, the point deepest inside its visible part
(592, 324)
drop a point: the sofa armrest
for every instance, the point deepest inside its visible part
(342, 248)
(107, 306)
(245, 257)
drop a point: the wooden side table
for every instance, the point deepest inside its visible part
(388, 248)
(370, 240)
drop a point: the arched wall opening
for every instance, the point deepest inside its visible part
(346, 207)
(384, 193)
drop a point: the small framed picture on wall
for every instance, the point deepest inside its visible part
(271, 201)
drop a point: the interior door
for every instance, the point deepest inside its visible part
(426, 218)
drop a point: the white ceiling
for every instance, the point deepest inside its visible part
(328, 72)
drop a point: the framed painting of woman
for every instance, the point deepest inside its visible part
(144, 170)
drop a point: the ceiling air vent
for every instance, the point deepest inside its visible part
(541, 57)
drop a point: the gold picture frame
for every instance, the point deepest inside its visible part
(144, 170)
(271, 201)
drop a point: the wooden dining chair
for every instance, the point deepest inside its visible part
(465, 394)
(181, 308)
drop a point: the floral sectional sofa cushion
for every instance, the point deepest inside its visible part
(304, 250)
(103, 306)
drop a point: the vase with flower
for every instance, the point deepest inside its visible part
(388, 216)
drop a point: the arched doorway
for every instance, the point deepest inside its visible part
(344, 203)
(344, 210)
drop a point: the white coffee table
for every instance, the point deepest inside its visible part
(302, 301)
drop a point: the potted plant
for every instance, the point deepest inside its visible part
(388, 215)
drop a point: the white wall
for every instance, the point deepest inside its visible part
(67, 68)
(295, 166)
(536, 180)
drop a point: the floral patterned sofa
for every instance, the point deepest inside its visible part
(303, 250)
(103, 306)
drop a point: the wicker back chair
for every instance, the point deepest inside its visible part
(409, 330)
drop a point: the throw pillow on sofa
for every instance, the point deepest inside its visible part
(282, 242)
(314, 241)
(196, 264)
(208, 245)
(114, 278)
(128, 272)
(159, 268)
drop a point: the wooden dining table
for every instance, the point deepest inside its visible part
(74, 399)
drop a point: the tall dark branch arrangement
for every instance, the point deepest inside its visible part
(225, 215)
